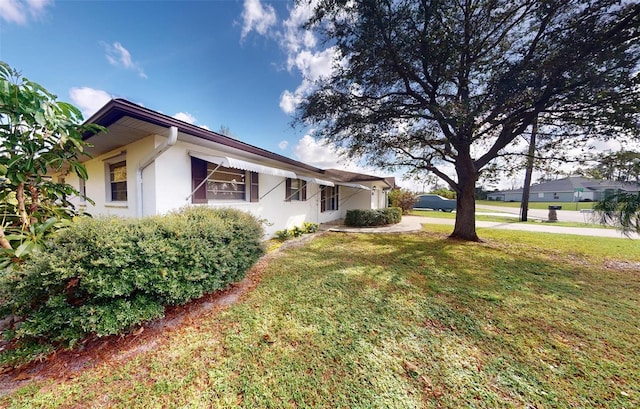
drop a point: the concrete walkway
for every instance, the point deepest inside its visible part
(414, 223)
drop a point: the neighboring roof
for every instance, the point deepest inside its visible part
(569, 184)
(129, 121)
(348, 177)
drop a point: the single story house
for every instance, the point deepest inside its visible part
(148, 163)
(569, 189)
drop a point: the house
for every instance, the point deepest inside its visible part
(148, 163)
(569, 189)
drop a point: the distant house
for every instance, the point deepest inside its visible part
(148, 163)
(569, 189)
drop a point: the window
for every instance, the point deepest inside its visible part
(254, 194)
(329, 198)
(296, 189)
(118, 181)
(83, 190)
(223, 184)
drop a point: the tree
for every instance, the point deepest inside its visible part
(621, 209)
(403, 199)
(424, 84)
(621, 166)
(38, 136)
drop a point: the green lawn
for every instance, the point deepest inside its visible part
(398, 321)
(540, 205)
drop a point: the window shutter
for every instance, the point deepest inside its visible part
(337, 198)
(254, 193)
(198, 174)
(323, 198)
(288, 192)
(303, 191)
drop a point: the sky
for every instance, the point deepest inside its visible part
(237, 64)
(241, 65)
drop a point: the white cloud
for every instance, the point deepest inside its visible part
(190, 119)
(283, 145)
(89, 100)
(313, 65)
(322, 154)
(186, 117)
(289, 101)
(293, 38)
(19, 11)
(119, 56)
(257, 17)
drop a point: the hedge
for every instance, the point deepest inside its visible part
(379, 217)
(103, 276)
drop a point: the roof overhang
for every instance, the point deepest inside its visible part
(353, 185)
(128, 122)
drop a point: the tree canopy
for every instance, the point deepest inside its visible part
(446, 87)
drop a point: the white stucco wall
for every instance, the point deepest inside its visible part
(166, 186)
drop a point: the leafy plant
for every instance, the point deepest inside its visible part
(309, 227)
(39, 135)
(373, 217)
(297, 231)
(283, 235)
(402, 199)
(103, 276)
(621, 210)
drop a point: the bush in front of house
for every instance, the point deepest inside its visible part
(403, 199)
(104, 276)
(368, 217)
(296, 231)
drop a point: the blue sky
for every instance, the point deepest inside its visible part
(241, 64)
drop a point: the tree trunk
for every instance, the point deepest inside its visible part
(524, 204)
(465, 227)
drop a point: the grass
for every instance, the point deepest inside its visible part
(398, 321)
(540, 205)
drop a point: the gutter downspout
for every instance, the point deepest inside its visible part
(171, 140)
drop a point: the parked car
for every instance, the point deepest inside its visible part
(435, 202)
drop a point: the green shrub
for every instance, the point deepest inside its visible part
(403, 199)
(103, 276)
(296, 231)
(283, 235)
(310, 227)
(368, 217)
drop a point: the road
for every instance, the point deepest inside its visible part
(539, 227)
(563, 215)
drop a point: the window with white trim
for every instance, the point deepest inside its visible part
(222, 183)
(117, 181)
(225, 183)
(296, 189)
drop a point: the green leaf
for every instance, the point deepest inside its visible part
(25, 248)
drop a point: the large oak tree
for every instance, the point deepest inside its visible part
(452, 83)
